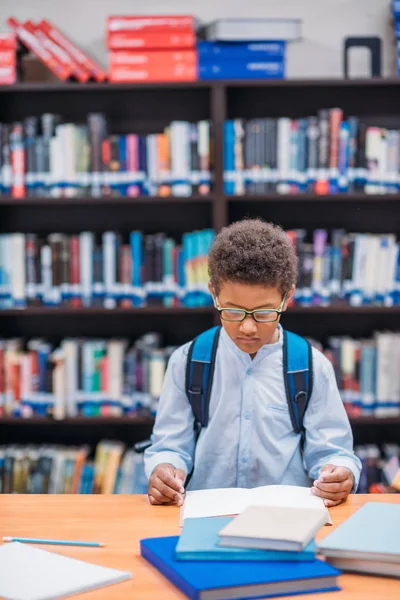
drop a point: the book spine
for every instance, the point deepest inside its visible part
(143, 24)
(17, 161)
(120, 40)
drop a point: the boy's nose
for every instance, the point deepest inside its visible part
(248, 326)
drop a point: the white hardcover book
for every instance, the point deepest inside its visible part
(86, 246)
(203, 150)
(70, 349)
(128, 471)
(247, 30)
(390, 271)
(360, 254)
(373, 157)
(381, 267)
(18, 270)
(383, 373)
(180, 158)
(88, 368)
(383, 161)
(59, 385)
(157, 372)
(57, 471)
(347, 364)
(284, 127)
(115, 351)
(109, 269)
(239, 162)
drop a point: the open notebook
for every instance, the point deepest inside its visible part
(233, 501)
(29, 573)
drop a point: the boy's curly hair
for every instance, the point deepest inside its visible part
(254, 252)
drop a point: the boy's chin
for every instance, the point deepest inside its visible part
(250, 346)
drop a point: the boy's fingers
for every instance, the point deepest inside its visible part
(329, 495)
(157, 495)
(330, 503)
(168, 478)
(336, 476)
(333, 487)
(164, 488)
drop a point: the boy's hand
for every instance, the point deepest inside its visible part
(334, 484)
(166, 485)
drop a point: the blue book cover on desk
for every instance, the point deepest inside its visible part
(372, 533)
(215, 580)
(199, 541)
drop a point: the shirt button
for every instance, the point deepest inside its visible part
(249, 372)
(247, 416)
(244, 459)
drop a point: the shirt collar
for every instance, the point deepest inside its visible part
(265, 350)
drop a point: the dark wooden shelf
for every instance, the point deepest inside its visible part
(148, 420)
(134, 420)
(101, 87)
(346, 198)
(56, 311)
(371, 420)
(102, 201)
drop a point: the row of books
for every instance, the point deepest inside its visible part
(8, 58)
(395, 10)
(367, 373)
(111, 468)
(99, 377)
(355, 268)
(89, 378)
(110, 271)
(322, 154)
(336, 267)
(43, 156)
(380, 468)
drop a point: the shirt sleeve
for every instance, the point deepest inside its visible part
(329, 439)
(172, 440)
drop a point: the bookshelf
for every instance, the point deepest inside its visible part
(148, 108)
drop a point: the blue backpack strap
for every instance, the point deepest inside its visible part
(199, 373)
(298, 377)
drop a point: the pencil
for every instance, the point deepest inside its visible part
(54, 542)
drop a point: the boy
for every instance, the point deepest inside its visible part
(249, 440)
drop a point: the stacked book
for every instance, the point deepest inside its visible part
(395, 9)
(57, 52)
(268, 549)
(246, 48)
(152, 48)
(110, 469)
(47, 157)
(109, 271)
(321, 154)
(8, 58)
(88, 378)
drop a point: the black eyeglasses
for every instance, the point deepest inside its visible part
(237, 315)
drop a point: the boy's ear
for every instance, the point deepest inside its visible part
(210, 287)
(289, 297)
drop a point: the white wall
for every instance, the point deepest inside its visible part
(325, 24)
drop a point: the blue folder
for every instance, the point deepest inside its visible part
(199, 541)
(215, 580)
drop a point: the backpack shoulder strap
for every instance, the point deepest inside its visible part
(199, 373)
(298, 376)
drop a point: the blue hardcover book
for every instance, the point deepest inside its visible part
(215, 580)
(217, 51)
(243, 70)
(396, 8)
(199, 541)
(229, 156)
(368, 541)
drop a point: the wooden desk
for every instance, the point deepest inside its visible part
(121, 521)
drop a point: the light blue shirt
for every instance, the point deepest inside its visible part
(249, 440)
